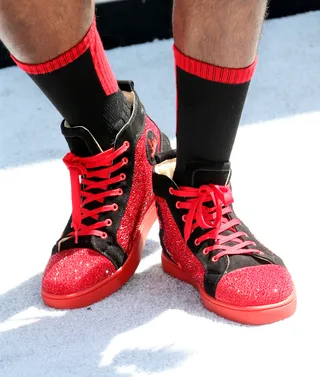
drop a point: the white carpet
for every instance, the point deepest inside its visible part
(156, 326)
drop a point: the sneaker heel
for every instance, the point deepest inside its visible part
(174, 270)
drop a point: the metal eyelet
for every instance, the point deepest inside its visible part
(115, 207)
(104, 235)
(196, 242)
(108, 222)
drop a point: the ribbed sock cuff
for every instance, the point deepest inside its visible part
(90, 41)
(211, 72)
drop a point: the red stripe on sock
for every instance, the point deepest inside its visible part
(211, 72)
(90, 41)
(101, 64)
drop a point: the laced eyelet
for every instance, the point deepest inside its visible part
(127, 144)
(171, 190)
(115, 207)
(123, 176)
(125, 161)
(109, 222)
(104, 235)
(205, 251)
(120, 192)
(196, 242)
(184, 218)
(214, 259)
(178, 204)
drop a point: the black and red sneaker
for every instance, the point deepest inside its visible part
(206, 245)
(113, 209)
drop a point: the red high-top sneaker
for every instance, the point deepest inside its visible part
(206, 245)
(113, 210)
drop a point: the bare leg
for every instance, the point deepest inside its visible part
(224, 33)
(35, 31)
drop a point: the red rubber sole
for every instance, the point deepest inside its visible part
(111, 284)
(259, 315)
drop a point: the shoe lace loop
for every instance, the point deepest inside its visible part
(89, 175)
(208, 207)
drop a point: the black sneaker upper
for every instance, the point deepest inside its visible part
(200, 174)
(81, 137)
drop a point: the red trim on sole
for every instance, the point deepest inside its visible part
(260, 315)
(111, 284)
(212, 72)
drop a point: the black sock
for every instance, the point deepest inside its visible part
(210, 100)
(81, 85)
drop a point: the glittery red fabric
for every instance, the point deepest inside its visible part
(176, 246)
(255, 286)
(141, 195)
(75, 270)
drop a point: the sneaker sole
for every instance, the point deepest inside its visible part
(257, 315)
(111, 284)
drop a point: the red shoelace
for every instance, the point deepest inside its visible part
(89, 169)
(212, 218)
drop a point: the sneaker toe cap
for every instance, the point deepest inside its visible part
(75, 270)
(255, 286)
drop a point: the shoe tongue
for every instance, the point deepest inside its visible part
(203, 173)
(81, 142)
